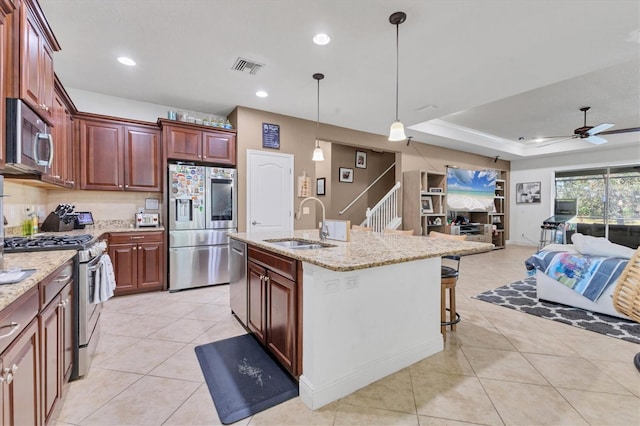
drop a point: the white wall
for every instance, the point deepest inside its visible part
(525, 219)
(98, 103)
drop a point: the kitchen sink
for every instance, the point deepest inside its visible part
(298, 243)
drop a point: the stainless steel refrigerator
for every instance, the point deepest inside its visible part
(202, 210)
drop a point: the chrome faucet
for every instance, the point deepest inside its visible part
(324, 230)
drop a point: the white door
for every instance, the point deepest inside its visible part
(270, 191)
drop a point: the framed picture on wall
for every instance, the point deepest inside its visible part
(320, 182)
(528, 193)
(345, 175)
(361, 159)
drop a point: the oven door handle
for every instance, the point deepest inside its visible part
(94, 265)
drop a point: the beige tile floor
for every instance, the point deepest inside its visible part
(500, 367)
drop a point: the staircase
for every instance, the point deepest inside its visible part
(385, 213)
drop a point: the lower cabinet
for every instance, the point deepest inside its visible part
(20, 365)
(21, 379)
(36, 350)
(137, 259)
(274, 296)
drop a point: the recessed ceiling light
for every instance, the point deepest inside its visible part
(321, 39)
(126, 61)
(261, 94)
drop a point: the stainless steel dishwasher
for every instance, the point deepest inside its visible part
(238, 279)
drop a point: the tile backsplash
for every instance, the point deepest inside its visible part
(104, 205)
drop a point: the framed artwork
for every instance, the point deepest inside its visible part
(320, 182)
(345, 175)
(361, 159)
(427, 205)
(528, 193)
(270, 135)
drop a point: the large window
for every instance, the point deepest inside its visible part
(608, 201)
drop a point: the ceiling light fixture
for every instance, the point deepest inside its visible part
(261, 94)
(396, 133)
(126, 61)
(321, 39)
(318, 155)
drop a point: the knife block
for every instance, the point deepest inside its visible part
(54, 224)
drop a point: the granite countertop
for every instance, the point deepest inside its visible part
(44, 262)
(365, 250)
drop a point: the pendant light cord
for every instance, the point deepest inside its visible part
(397, 66)
(318, 115)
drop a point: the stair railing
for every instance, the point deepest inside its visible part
(385, 213)
(366, 189)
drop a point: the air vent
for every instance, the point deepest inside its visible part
(245, 65)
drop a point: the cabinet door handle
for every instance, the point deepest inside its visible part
(266, 279)
(62, 278)
(135, 248)
(14, 327)
(141, 237)
(8, 373)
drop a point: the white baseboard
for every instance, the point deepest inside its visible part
(317, 396)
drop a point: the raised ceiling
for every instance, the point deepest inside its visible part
(474, 76)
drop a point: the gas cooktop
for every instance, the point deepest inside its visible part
(47, 242)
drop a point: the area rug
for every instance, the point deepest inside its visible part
(521, 296)
(242, 378)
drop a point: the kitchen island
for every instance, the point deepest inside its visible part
(367, 308)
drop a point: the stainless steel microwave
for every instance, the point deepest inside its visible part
(29, 143)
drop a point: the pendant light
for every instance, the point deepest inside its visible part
(318, 155)
(396, 133)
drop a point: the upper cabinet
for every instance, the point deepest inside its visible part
(62, 171)
(37, 44)
(6, 7)
(193, 142)
(118, 155)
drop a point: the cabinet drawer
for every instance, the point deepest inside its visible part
(51, 286)
(136, 237)
(15, 317)
(281, 264)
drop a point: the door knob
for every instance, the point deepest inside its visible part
(255, 223)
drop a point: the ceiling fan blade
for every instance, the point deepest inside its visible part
(599, 128)
(596, 140)
(613, 132)
(558, 139)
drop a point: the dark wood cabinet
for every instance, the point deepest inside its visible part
(56, 338)
(37, 45)
(192, 142)
(257, 296)
(119, 156)
(68, 339)
(274, 296)
(137, 261)
(62, 171)
(219, 148)
(21, 404)
(37, 363)
(52, 352)
(6, 7)
(281, 319)
(142, 159)
(20, 361)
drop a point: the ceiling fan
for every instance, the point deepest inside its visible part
(589, 133)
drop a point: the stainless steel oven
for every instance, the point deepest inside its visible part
(89, 270)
